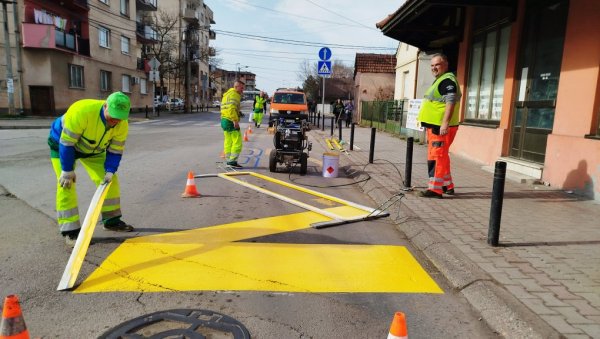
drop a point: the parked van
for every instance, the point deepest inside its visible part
(288, 102)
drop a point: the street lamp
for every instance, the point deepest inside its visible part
(238, 70)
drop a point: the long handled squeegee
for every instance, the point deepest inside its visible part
(370, 213)
(83, 240)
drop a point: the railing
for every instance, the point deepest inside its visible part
(389, 116)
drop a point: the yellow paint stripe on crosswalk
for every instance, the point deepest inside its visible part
(211, 259)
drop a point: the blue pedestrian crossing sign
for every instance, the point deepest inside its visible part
(324, 53)
(324, 67)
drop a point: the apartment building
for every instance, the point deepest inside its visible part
(193, 34)
(66, 50)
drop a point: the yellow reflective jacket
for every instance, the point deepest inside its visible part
(434, 105)
(84, 129)
(230, 105)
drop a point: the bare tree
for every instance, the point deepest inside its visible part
(164, 50)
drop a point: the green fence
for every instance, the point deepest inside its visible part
(389, 116)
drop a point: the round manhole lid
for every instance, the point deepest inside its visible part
(180, 324)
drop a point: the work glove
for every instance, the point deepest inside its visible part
(66, 179)
(107, 177)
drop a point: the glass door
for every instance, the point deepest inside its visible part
(540, 61)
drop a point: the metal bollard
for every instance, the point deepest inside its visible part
(319, 120)
(408, 166)
(340, 129)
(497, 199)
(146, 111)
(332, 123)
(372, 146)
(352, 136)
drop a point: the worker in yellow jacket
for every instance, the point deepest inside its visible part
(93, 132)
(230, 123)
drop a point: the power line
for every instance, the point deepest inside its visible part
(330, 11)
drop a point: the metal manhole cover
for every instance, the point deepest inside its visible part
(179, 324)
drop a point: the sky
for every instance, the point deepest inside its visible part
(346, 27)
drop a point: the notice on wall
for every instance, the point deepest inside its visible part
(10, 88)
(414, 105)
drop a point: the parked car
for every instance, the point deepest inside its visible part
(175, 104)
(158, 103)
(216, 103)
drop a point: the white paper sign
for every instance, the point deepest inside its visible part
(414, 106)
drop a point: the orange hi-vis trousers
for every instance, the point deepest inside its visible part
(438, 160)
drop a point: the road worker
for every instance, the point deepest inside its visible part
(260, 107)
(93, 132)
(230, 123)
(439, 116)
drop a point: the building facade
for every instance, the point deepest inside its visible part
(529, 71)
(374, 77)
(68, 50)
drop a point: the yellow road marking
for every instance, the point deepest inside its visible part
(214, 258)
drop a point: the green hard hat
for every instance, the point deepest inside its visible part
(118, 105)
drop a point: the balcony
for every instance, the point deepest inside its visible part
(212, 35)
(212, 51)
(48, 37)
(145, 33)
(146, 5)
(190, 15)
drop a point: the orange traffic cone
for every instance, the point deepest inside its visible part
(222, 155)
(13, 324)
(398, 328)
(246, 136)
(190, 188)
(249, 129)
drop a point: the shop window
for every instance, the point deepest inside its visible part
(105, 81)
(75, 76)
(126, 83)
(487, 69)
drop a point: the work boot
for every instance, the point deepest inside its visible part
(448, 191)
(119, 226)
(234, 164)
(429, 194)
(70, 237)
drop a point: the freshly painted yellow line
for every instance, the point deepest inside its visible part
(216, 258)
(329, 144)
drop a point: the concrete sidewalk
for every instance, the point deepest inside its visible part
(543, 281)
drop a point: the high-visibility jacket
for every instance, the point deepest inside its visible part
(432, 108)
(84, 129)
(259, 104)
(230, 105)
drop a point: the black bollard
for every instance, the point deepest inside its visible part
(332, 123)
(319, 120)
(408, 166)
(340, 129)
(352, 136)
(497, 199)
(372, 147)
(323, 122)
(146, 111)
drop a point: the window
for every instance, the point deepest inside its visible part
(125, 7)
(105, 81)
(104, 37)
(104, 1)
(124, 45)
(126, 83)
(75, 76)
(485, 88)
(143, 86)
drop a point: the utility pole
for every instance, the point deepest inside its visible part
(19, 57)
(188, 70)
(9, 75)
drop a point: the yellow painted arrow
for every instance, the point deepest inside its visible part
(214, 258)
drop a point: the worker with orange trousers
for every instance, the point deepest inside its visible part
(439, 116)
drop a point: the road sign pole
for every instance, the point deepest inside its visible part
(323, 102)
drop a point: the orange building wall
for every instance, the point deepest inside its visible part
(573, 162)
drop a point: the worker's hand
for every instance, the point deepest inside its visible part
(236, 125)
(107, 177)
(66, 179)
(444, 128)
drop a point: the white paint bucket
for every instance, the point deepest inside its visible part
(331, 162)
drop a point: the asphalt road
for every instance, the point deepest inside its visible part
(153, 172)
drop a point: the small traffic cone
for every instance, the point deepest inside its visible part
(246, 136)
(190, 188)
(222, 155)
(398, 328)
(249, 129)
(13, 324)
